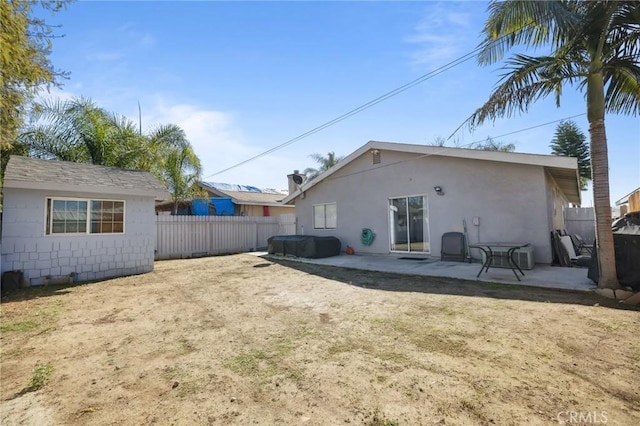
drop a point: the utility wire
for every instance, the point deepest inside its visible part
(361, 108)
(460, 146)
(367, 105)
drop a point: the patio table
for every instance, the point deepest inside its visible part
(490, 255)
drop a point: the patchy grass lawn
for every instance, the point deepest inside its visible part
(244, 340)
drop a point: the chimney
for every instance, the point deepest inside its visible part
(293, 187)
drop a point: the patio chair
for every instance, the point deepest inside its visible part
(577, 260)
(453, 247)
(582, 245)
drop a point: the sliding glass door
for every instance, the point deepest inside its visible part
(408, 224)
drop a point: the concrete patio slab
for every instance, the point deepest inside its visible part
(540, 276)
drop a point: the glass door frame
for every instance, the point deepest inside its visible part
(426, 231)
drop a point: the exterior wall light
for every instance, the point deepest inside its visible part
(438, 190)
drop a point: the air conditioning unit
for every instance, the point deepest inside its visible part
(523, 257)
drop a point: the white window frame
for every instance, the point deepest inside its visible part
(324, 216)
(49, 217)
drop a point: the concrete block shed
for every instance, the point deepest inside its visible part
(63, 220)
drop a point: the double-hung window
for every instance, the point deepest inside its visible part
(83, 216)
(325, 216)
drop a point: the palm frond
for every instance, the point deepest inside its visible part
(526, 80)
(529, 23)
(622, 81)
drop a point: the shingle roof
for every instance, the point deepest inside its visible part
(244, 197)
(35, 173)
(252, 197)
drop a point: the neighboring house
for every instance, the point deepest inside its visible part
(629, 203)
(249, 200)
(88, 222)
(410, 195)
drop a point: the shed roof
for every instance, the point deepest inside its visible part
(564, 170)
(52, 175)
(247, 197)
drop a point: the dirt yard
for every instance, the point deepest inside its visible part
(244, 340)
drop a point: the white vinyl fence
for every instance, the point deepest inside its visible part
(192, 236)
(581, 221)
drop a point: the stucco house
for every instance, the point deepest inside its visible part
(249, 200)
(225, 199)
(629, 203)
(410, 195)
(86, 222)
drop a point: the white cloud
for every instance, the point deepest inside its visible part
(459, 19)
(434, 49)
(220, 144)
(55, 94)
(216, 138)
(146, 41)
(106, 56)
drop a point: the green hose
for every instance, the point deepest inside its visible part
(367, 236)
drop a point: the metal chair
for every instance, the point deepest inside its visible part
(582, 245)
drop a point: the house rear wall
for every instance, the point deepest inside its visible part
(510, 200)
(91, 257)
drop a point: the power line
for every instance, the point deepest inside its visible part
(461, 146)
(357, 110)
(367, 105)
(534, 127)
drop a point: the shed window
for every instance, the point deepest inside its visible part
(325, 216)
(81, 216)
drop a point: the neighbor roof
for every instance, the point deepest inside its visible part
(246, 197)
(564, 170)
(625, 199)
(52, 175)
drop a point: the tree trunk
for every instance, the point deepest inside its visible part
(600, 177)
(601, 201)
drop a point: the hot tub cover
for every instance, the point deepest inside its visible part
(308, 246)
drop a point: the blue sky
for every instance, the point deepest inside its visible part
(243, 77)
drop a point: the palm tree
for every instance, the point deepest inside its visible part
(325, 164)
(175, 162)
(78, 130)
(595, 46)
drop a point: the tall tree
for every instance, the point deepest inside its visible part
(569, 141)
(181, 172)
(175, 162)
(25, 67)
(491, 145)
(438, 141)
(595, 46)
(78, 130)
(324, 164)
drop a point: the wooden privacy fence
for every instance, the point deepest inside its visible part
(191, 236)
(581, 221)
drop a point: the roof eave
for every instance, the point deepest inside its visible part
(625, 199)
(267, 203)
(550, 161)
(157, 194)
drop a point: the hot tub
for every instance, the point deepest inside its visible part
(308, 246)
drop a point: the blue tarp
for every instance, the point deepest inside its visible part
(223, 206)
(200, 207)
